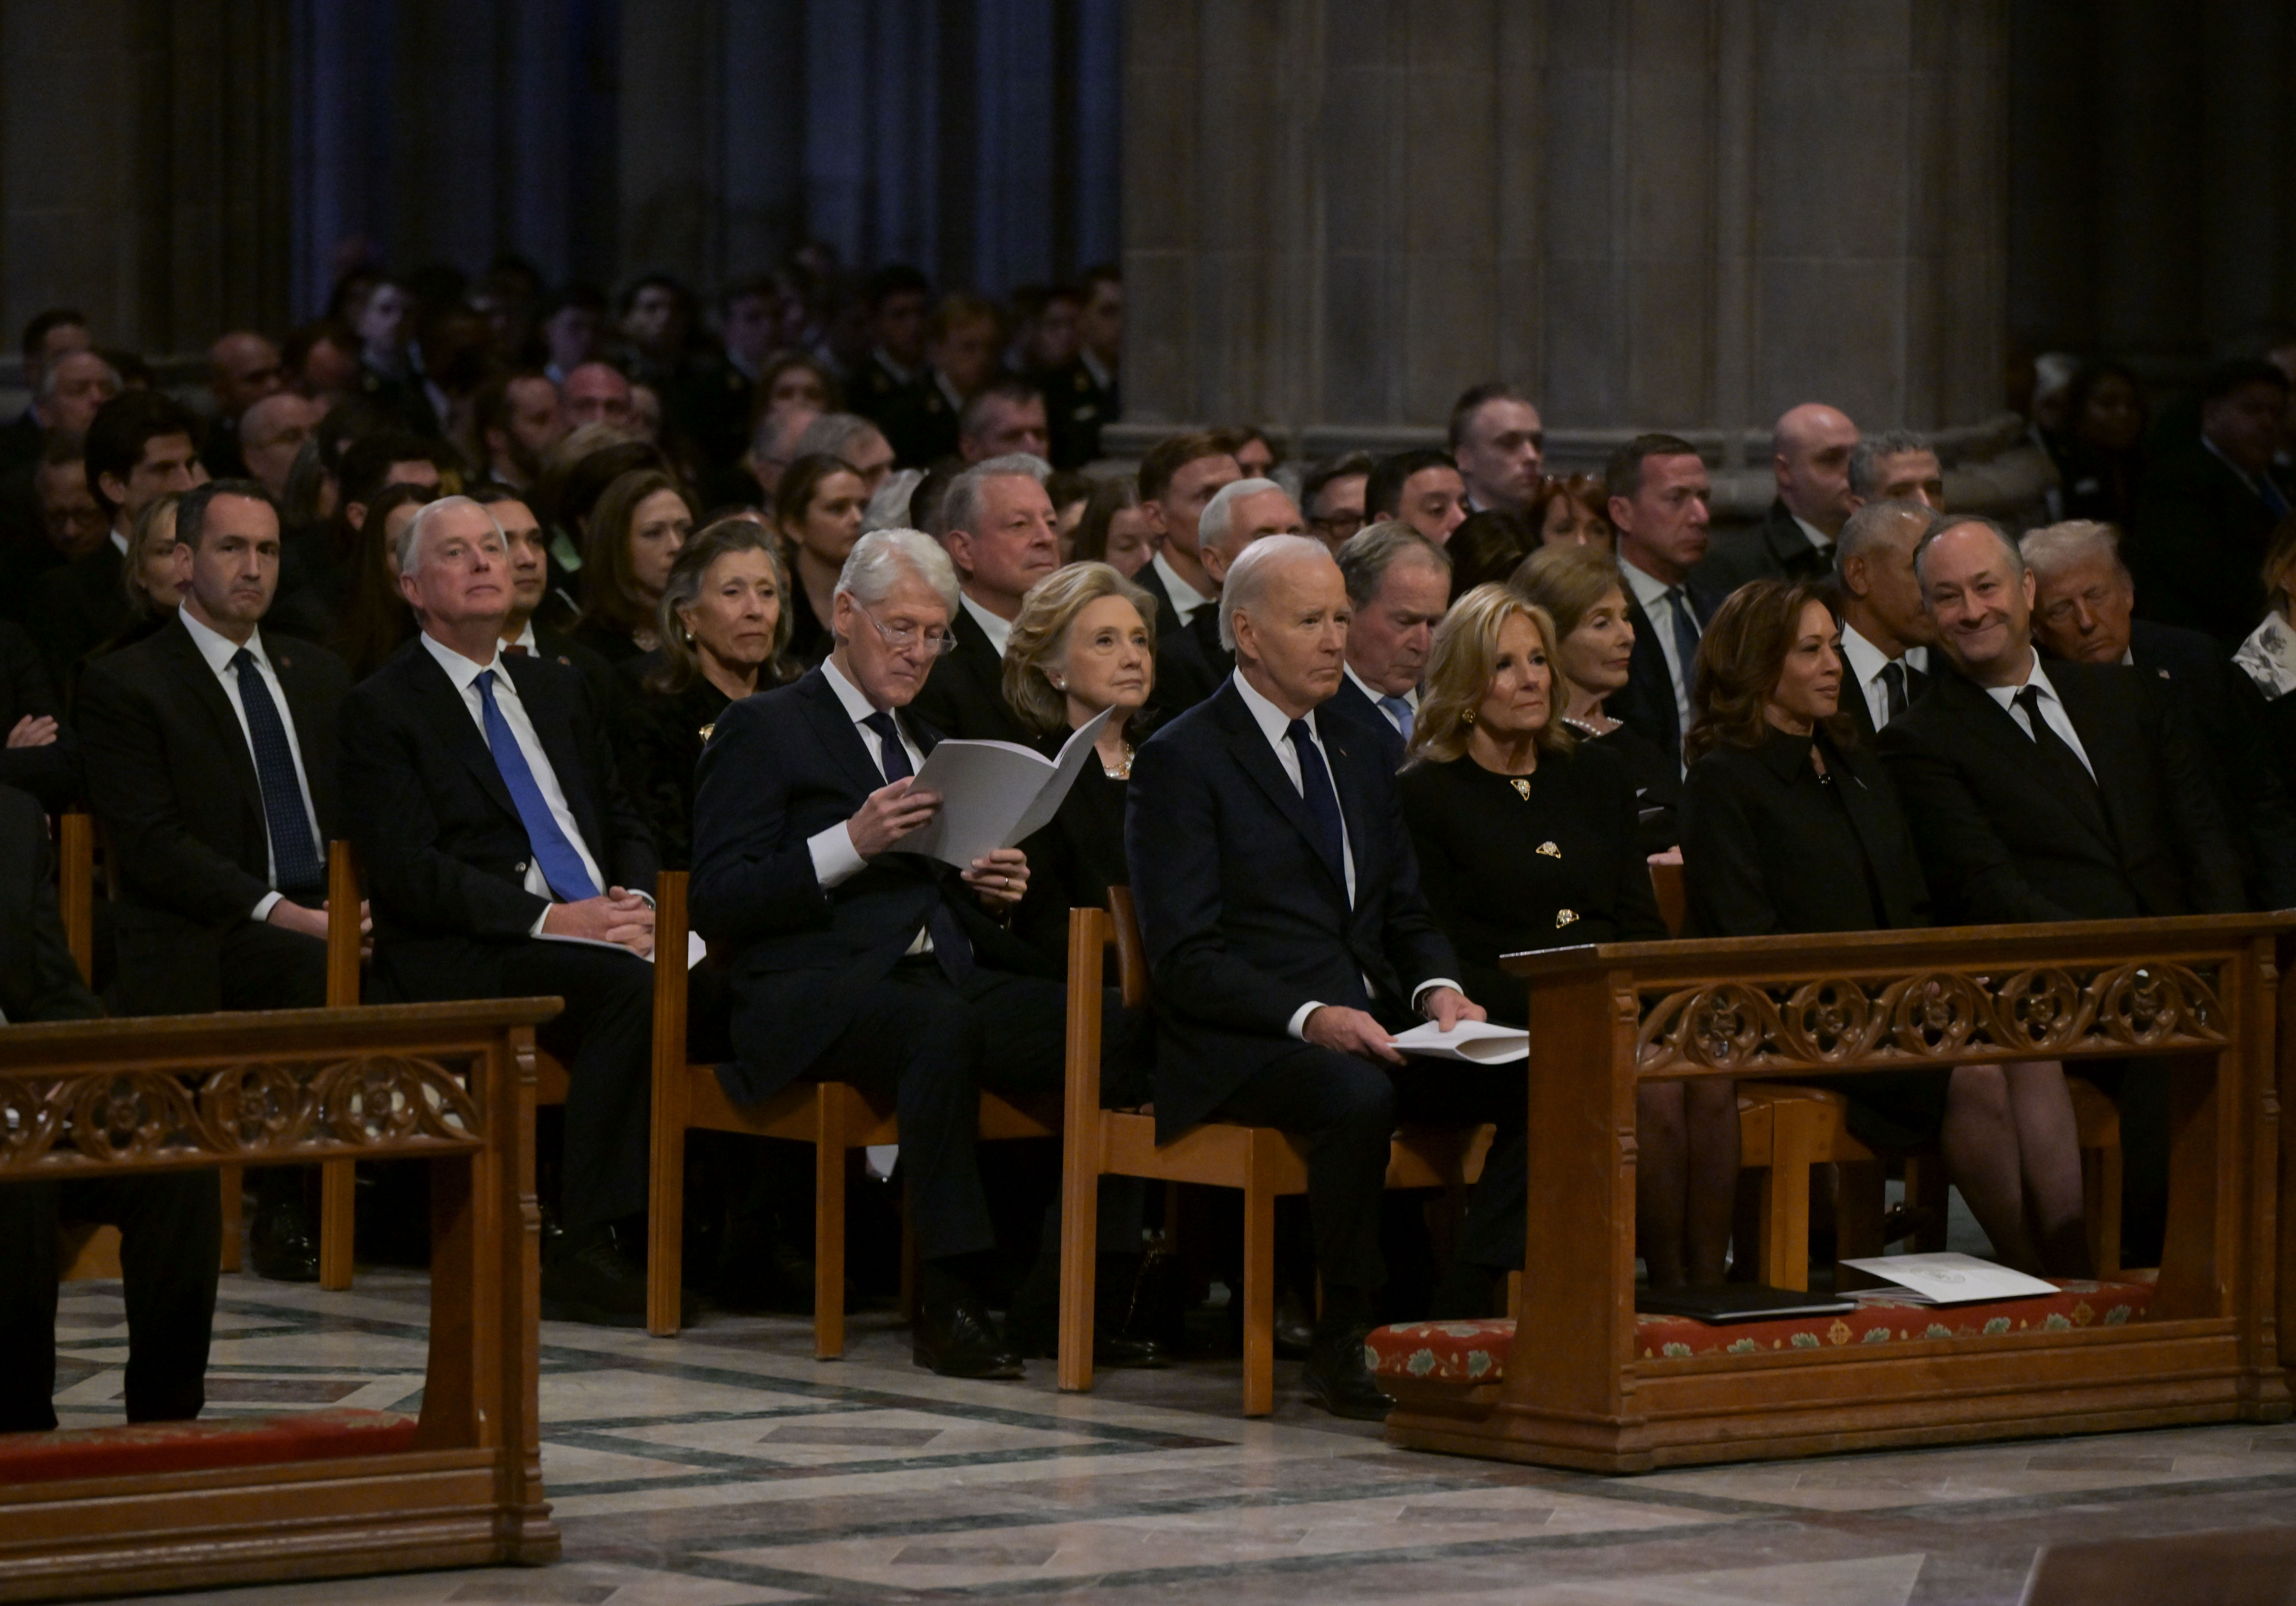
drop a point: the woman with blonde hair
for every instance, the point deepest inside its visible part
(1526, 838)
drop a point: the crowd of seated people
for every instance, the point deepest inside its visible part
(532, 599)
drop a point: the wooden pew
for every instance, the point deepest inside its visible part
(1575, 1390)
(451, 1083)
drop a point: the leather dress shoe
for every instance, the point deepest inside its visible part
(1338, 1378)
(1295, 1326)
(1110, 1352)
(590, 1280)
(955, 1337)
(281, 1247)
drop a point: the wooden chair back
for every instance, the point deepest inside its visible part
(75, 887)
(1666, 881)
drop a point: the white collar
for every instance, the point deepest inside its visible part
(851, 698)
(1818, 537)
(1186, 598)
(460, 670)
(525, 637)
(998, 631)
(218, 649)
(1648, 588)
(2005, 695)
(1378, 696)
(1274, 722)
(1102, 374)
(948, 391)
(2245, 477)
(1865, 659)
(118, 540)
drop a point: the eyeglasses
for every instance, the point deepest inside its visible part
(903, 638)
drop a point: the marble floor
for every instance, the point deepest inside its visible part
(726, 1466)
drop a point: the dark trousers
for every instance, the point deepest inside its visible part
(170, 1244)
(934, 1047)
(1348, 1109)
(266, 967)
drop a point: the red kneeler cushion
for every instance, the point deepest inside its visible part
(222, 1441)
(1475, 1352)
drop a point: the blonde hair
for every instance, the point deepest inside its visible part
(1461, 664)
(1569, 582)
(1041, 629)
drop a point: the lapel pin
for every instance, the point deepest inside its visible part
(1550, 851)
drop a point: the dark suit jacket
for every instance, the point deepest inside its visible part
(38, 980)
(170, 776)
(1775, 549)
(78, 608)
(1853, 699)
(52, 773)
(1349, 703)
(1647, 701)
(22, 442)
(2197, 547)
(1183, 678)
(2002, 839)
(1076, 407)
(438, 839)
(1243, 920)
(963, 696)
(779, 768)
(920, 426)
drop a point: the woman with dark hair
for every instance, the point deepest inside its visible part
(2102, 459)
(376, 619)
(1526, 838)
(1070, 492)
(1488, 548)
(818, 511)
(1788, 824)
(1572, 510)
(798, 379)
(1113, 530)
(724, 621)
(634, 535)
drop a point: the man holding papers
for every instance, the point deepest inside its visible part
(855, 959)
(1280, 900)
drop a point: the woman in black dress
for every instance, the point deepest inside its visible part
(1788, 824)
(818, 509)
(633, 538)
(1526, 838)
(1578, 586)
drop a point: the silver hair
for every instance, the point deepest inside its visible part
(48, 381)
(1218, 521)
(1865, 457)
(1944, 523)
(883, 558)
(1875, 523)
(410, 539)
(2055, 548)
(1247, 575)
(1365, 557)
(961, 504)
(833, 434)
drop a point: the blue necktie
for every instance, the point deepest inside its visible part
(562, 864)
(1399, 708)
(293, 854)
(1322, 802)
(951, 946)
(1685, 634)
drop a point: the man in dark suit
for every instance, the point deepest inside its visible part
(49, 336)
(1400, 586)
(1279, 901)
(899, 300)
(1810, 447)
(491, 828)
(172, 1223)
(210, 750)
(1178, 478)
(1658, 497)
(856, 960)
(42, 753)
(243, 369)
(527, 546)
(1084, 395)
(1002, 539)
(1885, 632)
(2207, 512)
(139, 448)
(1239, 513)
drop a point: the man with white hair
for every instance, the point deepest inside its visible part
(1810, 447)
(1197, 659)
(1000, 533)
(492, 829)
(1288, 939)
(854, 958)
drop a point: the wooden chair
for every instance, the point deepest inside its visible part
(833, 1117)
(1260, 1160)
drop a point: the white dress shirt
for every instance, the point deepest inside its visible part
(1865, 661)
(1650, 592)
(1186, 598)
(835, 859)
(1818, 537)
(1379, 700)
(218, 651)
(998, 631)
(2052, 711)
(1275, 724)
(465, 675)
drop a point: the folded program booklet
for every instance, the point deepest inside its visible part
(1738, 1302)
(1474, 1040)
(993, 794)
(1947, 1280)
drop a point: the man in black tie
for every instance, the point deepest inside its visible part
(1002, 539)
(1885, 632)
(1178, 478)
(1279, 899)
(210, 752)
(504, 860)
(856, 960)
(1658, 497)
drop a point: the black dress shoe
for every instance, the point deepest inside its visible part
(1295, 1326)
(955, 1337)
(590, 1280)
(1115, 1352)
(280, 1247)
(1338, 1379)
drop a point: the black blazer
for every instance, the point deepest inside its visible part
(964, 695)
(1768, 847)
(2002, 840)
(78, 608)
(2196, 546)
(1183, 678)
(660, 744)
(1243, 921)
(52, 773)
(1073, 861)
(439, 841)
(1853, 697)
(1350, 703)
(1775, 549)
(1646, 701)
(38, 980)
(779, 768)
(1507, 872)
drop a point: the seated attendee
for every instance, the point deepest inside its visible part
(1659, 493)
(1113, 530)
(1488, 548)
(1500, 447)
(211, 763)
(1178, 478)
(860, 443)
(1595, 644)
(1253, 449)
(855, 961)
(724, 628)
(482, 798)
(962, 344)
(1288, 940)
(1070, 492)
(376, 621)
(272, 433)
(1573, 510)
(1194, 662)
(155, 575)
(819, 513)
(170, 1223)
(1084, 644)
(528, 544)
(1003, 420)
(1885, 632)
(1527, 837)
(41, 752)
(1332, 496)
(1810, 454)
(633, 537)
(1790, 824)
(1420, 488)
(517, 419)
(1398, 584)
(2101, 455)
(1897, 465)
(326, 570)
(997, 529)
(2206, 510)
(55, 522)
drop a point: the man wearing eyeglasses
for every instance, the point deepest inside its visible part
(854, 960)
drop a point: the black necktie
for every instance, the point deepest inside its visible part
(1893, 691)
(1686, 634)
(295, 856)
(2052, 745)
(1322, 802)
(951, 946)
